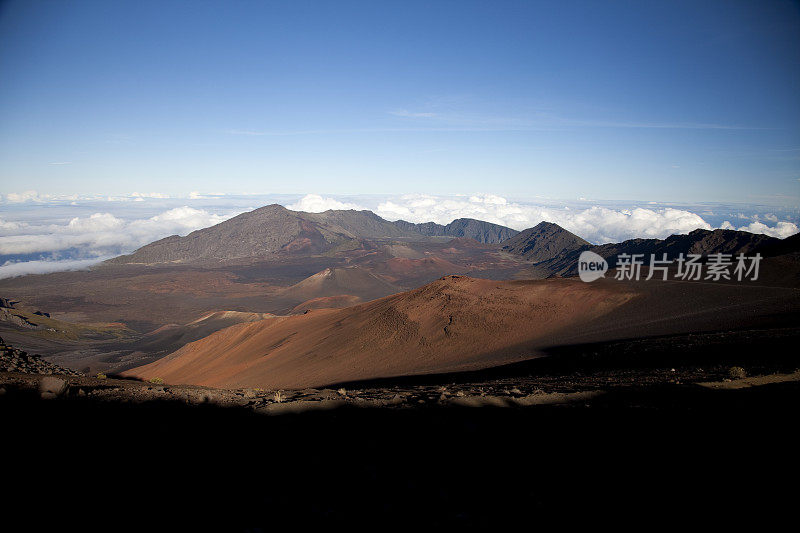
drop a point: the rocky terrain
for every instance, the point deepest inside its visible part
(509, 387)
(16, 360)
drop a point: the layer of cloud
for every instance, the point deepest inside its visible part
(25, 196)
(314, 203)
(597, 224)
(101, 234)
(780, 230)
(12, 270)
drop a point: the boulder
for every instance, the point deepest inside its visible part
(51, 387)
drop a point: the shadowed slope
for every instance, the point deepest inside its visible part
(700, 241)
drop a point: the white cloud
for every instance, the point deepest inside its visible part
(197, 195)
(314, 203)
(25, 196)
(11, 270)
(780, 230)
(596, 224)
(101, 233)
(139, 195)
(9, 226)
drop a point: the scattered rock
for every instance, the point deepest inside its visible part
(15, 360)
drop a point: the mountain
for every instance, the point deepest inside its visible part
(261, 232)
(455, 323)
(272, 230)
(545, 241)
(481, 231)
(268, 231)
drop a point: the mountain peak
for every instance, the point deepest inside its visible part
(544, 241)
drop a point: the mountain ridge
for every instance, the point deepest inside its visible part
(273, 229)
(479, 230)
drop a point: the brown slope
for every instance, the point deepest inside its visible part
(455, 323)
(327, 302)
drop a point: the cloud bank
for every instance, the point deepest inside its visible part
(780, 230)
(12, 270)
(596, 224)
(314, 203)
(37, 248)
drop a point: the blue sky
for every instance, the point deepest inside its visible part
(654, 101)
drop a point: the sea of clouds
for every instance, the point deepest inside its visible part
(43, 234)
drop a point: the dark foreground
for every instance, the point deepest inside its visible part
(636, 455)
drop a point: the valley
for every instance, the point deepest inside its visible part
(346, 295)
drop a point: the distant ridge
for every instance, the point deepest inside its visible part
(700, 241)
(484, 232)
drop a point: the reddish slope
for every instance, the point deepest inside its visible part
(327, 302)
(455, 323)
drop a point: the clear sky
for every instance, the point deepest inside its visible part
(664, 101)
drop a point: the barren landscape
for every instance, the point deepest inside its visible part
(127, 313)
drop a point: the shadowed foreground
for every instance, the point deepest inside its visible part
(650, 454)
